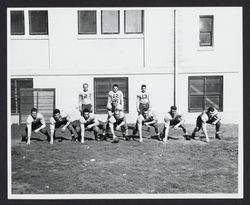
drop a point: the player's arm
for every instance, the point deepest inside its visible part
(137, 103)
(181, 119)
(149, 104)
(52, 130)
(42, 120)
(122, 101)
(80, 101)
(122, 123)
(218, 118)
(28, 124)
(152, 121)
(68, 122)
(109, 99)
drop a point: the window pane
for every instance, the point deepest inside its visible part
(196, 87)
(87, 22)
(17, 22)
(38, 22)
(206, 39)
(213, 101)
(206, 23)
(110, 22)
(196, 102)
(133, 21)
(213, 86)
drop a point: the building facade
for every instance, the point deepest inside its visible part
(190, 57)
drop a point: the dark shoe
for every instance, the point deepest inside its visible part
(187, 137)
(115, 140)
(24, 138)
(127, 138)
(217, 136)
(193, 135)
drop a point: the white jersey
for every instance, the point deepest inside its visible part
(39, 119)
(143, 97)
(116, 97)
(85, 97)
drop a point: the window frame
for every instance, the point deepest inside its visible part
(27, 35)
(204, 78)
(142, 22)
(78, 22)
(111, 79)
(211, 45)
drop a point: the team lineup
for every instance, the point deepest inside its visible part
(116, 120)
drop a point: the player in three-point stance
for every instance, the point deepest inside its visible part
(147, 118)
(35, 122)
(88, 122)
(116, 122)
(210, 116)
(142, 100)
(174, 119)
(85, 99)
(61, 120)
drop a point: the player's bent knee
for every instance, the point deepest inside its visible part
(78, 129)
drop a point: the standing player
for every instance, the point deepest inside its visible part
(118, 121)
(85, 99)
(61, 119)
(210, 116)
(147, 118)
(35, 122)
(174, 119)
(142, 100)
(115, 97)
(88, 122)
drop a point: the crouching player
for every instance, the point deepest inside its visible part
(210, 116)
(174, 119)
(147, 118)
(61, 120)
(35, 122)
(88, 122)
(116, 122)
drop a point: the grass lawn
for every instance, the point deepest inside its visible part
(127, 167)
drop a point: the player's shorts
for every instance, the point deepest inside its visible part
(143, 106)
(86, 106)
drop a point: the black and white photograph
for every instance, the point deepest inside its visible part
(125, 102)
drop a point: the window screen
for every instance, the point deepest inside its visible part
(206, 30)
(110, 22)
(133, 21)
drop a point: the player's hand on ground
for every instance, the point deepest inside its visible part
(213, 123)
(175, 127)
(36, 131)
(146, 124)
(63, 129)
(140, 140)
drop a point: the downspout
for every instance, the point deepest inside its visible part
(175, 58)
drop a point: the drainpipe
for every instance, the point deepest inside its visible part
(175, 58)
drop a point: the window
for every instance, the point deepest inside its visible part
(86, 22)
(110, 22)
(206, 30)
(205, 91)
(133, 21)
(103, 86)
(17, 22)
(16, 85)
(38, 22)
